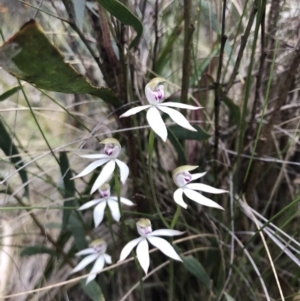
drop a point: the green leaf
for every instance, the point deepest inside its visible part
(9, 93)
(235, 113)
(77, 230)
(228, 297)
(30, 56)
(37, 249)
(182, 133)
(69, 186)
(196, 268)
(11, 151)
(122, 13)
(93, 290)
(178, 147)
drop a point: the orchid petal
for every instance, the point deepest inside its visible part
(84, 262)
(86, 252)
(125, 201)
(91, 167)
(114, 209)
(142, 253)
(156, 123)
(124, 171)
(128, 248)
(178, 118)
(177, 196)
(205, 188)
(135, 110)
(200, 199)
(165, 232)
(97, 268)
(196, 176)
(179, 105)
(99, 213)
(105, 174)
(164, 247)
(96, 156)
(107, 258)
(89, 204)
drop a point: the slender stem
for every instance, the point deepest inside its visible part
(171, 281)
(171, 266)
(123, 227)
(150, 152)
(176, 216)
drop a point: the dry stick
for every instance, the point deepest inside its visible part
(283, 90)
(186, 61)
(43, 231)
(244, 40)
(218, 92)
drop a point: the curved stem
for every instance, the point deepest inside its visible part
(150, 152)
(176, 216)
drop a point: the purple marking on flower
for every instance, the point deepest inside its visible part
(108, 149)
(187, 177)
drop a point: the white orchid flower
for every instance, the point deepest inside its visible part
(182, 179)
(112, 150)
(96, 252)
(111, 201)
(142, 251)
(154, 91)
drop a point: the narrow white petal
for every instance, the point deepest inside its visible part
(200, 199)
(114, 209)
(107, 258)
(84, 262)
(124, 170)
(142, 253)
(96, 156)
(105, 174)
(99, 264)
(89, 204)
(177, 196)
(179, 105)
(90, 278)
(196, 176)
(86, 252)
(97, 268)
(164, 247)
(135, 110)
(205, 188)
(125, 201)
(156, 123)
(91, 167)
(99, 213)
(178, 118)
(128, 248)
(165, 232)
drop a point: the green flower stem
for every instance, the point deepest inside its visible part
(176, 216)
(171, 266)
(123, 227)
(150, 152)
